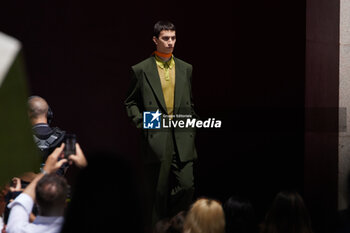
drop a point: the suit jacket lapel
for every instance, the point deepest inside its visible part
(152, 75)
(180, 82)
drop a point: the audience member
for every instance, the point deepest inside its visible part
(287, 214)
(176, 224)
(205, 216)
(161, 226)
(239, 216)
(49, 191)
(173, 225)
(16, 187)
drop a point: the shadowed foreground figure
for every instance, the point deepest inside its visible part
(173, 225)
(287, 214)
(240, 216)
(106, 198)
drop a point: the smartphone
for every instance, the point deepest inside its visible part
(70, 140)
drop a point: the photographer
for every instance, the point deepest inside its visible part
(46, 138)
(49, 191)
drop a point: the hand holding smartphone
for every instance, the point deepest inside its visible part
(69, 149)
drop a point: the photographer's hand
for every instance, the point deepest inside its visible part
(17, 187)
(79, 158)
(51, 166)
(52, 163)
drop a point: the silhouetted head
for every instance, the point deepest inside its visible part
(51, 194)
(177, 223)
(287, 214)
(239, 215)
(161, 226)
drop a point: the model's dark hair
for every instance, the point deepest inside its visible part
(163, 25)
(287, 214)
(239, 216)
(51, 193)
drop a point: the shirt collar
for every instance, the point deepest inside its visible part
(40, 125)
(168, 64)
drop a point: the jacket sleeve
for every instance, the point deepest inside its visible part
(133, 101)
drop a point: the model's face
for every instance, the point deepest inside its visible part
(165, 42)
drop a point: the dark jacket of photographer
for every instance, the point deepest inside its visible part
(47, 138)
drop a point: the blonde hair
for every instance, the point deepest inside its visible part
(205, 216)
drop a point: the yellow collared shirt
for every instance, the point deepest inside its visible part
(166, 71)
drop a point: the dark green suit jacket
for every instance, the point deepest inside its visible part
(145, 94)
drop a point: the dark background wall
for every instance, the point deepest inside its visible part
(322, 90)
(248, 59)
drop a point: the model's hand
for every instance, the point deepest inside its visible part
(52, 164)
(79, 158)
